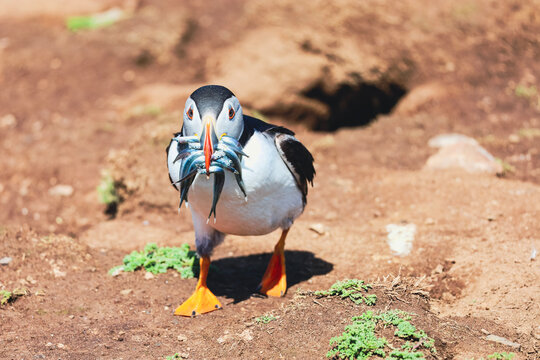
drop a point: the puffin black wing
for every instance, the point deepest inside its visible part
(295, 155)
(298, 159)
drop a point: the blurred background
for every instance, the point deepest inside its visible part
(91, 92)
(76, 88)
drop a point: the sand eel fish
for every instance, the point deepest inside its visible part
(238, 175)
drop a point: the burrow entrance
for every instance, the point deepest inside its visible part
(348, 105)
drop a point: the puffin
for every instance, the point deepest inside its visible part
(237, 175)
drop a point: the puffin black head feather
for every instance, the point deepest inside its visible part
(210, 98)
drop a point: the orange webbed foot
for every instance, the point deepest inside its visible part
(274, 281)
(202, 301)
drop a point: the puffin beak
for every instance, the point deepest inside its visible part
(209, 140)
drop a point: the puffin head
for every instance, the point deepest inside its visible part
(211, 112)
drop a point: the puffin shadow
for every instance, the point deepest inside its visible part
(237, 278)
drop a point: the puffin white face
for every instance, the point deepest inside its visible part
(230, 120)
(212, 112)
(192, 119)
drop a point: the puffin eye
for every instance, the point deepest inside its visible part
(190, 113)
(231, 113)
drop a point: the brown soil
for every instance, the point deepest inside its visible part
(75, 104)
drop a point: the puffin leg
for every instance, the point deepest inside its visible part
(274, 281)
(202, 300)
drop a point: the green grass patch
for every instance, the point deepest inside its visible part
(498, 356)
(529, 133)
(354, 289)
(506, 166)
(145, 110)
(526, 92)
(5, 297)
(10, 296)
(157, 260)
(265, 319)
(174, 357)
(529, 93)
(360, 340)
(502, 356)
(107, 190)
(94, 21)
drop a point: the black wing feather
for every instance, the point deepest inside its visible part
(297, 158)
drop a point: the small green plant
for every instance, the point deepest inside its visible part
(506, 167)
(174, 357)
(156, 260)
(5, 296)
(501, 356)
(10, 296)
(95, 21)
(107, 190)
(353, 289)
(145, 110)
(265, 319)
(359, 341)
(529, 133)
(526, 92)
(529, 93)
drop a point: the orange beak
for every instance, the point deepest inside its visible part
(208, 147)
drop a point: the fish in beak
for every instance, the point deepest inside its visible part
(208, 140)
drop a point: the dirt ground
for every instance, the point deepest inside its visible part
(76, 104)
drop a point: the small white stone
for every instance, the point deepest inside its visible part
(443, 140)
(61, 190)
(513, 138)
(504, 341)
(60, 346)
(182, 337)
(149, 275)
(7, 121)
(126, 292)
(318, 228)
(5, 260)
(58, 273)
(246, 335)
(117, 271)
(400, 238)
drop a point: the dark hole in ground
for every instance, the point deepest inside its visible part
(348, 105)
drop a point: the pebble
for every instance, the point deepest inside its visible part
(149, 275)
(60, 346)
(318, 228)
(400, 238)
(5, 260)
(49, 344)
(246, 335)
(126, 292)
(182, 337)
(117, 271)
(444, 140)
(464, 156)
(513, 138)
(61, 190)
(8, 121)
(223, 339)
(504, 341)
